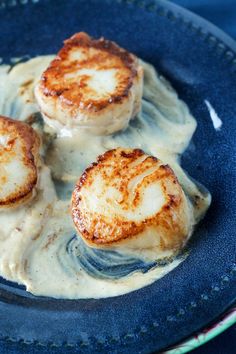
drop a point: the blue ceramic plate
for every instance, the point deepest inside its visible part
(200, 61)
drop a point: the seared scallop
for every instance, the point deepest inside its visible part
(19, 159)
(128, 199)
(92, 84)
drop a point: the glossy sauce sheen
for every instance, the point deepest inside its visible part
(38, 246)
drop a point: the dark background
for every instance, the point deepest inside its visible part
(223, 14)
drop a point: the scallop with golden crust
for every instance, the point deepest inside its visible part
(92, 83)
(130, 199)
(19, 160)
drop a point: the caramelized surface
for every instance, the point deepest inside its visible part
(89, 78)
(19, 145)
(67, 76)
(128, 194)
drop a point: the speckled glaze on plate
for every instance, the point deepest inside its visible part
(226, 320)
(200, 61)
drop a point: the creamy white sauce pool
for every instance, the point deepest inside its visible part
(38, 246)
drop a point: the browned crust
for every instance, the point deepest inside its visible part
(96, 229)
(30, 143)
(73, 95)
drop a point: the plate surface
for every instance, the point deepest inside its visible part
(200, 62)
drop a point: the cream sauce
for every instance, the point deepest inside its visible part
(38, 247)
(216, 121)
